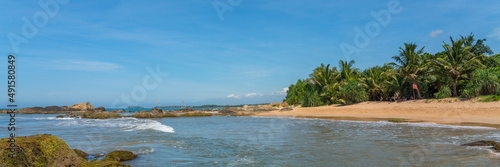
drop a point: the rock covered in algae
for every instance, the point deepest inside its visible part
(38, 150)
(47, 150)
(120, 156)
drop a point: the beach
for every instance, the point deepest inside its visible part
(450, 111)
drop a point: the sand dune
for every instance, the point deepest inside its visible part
(445, 111)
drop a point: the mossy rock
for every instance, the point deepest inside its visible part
(103, 163)
(60, 116)
(39, 150)
(497, 147)
(120, 156)
(481, 143)
(81, 153)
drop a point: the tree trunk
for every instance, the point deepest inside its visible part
(455, 87)
(418, 91)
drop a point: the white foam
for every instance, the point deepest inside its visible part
(143, 151)
(126, 124)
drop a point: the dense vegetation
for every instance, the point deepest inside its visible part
(465, 68)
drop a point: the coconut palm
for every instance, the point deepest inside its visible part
(324, 76)
(347, 71)
(457, 61)
(410, 63)
(375, 79)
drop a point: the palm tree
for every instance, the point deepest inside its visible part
(347, 71)
(374, 79)
(324, 76)
(457, 61)
(410, 63)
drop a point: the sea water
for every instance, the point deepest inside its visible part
(258, 141)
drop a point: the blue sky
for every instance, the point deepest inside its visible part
(98, 51)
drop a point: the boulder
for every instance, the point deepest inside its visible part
(60, 116)
(39, 150)
(100, 109)
(120, 156)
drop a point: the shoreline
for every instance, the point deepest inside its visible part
(449, 112)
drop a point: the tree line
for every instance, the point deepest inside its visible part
(465, 68)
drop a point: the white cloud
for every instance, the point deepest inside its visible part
(251, 95)
(233, 96)
(79, 65)
(435, 33)
(495, 33)
(284, 91)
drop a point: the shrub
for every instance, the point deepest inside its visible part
(444, 92)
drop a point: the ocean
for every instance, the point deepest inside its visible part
(259, 141)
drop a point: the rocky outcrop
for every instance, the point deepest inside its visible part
(39, 150)
(48, 150)
(76, 108)
(82, 106)
(154, 113)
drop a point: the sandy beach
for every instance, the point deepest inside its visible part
(446, 111)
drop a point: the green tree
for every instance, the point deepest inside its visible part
(456, 62)
(410, 63)
(347, 71)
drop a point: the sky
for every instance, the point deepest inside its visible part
(118, 53)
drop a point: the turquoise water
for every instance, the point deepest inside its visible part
(256, 141)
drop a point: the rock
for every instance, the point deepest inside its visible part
(497, 147)
(60, 116)
(81, 153)
(154, 113)
(76, 108)
(100, 109)
(120, 156)
(229, 110)
(186, 110)
(482, 143)
(83, 106)
(39, 150)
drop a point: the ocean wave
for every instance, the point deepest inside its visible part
(126, 124)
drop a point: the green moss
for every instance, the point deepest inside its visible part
(103, 163)
(396, 120)
(81, 153)
(120, 156)
(38, 150)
